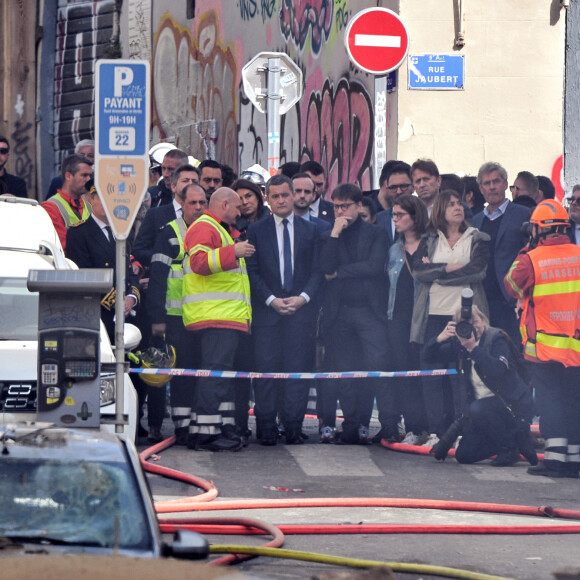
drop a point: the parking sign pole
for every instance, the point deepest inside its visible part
(121, 174)
(120, 282)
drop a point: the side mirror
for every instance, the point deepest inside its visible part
(187, 545)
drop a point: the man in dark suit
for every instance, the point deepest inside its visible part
(91, 244)
(303, 197)
(284, 281)
(396, 180)
(319, 208)
(158, 217)
(502, 220)
(574, 213)
(161, 194)
(354, 314)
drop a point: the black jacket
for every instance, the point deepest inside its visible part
(367, 269)
(495, 362)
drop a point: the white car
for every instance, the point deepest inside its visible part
(28, 241)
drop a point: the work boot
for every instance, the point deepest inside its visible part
(506, 457)
(181, 434)
(542, 469)
(217, 443)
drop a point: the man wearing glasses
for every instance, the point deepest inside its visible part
(10, 183)
(354, 323)
(502, 220)
(574, 213)
(395, 180)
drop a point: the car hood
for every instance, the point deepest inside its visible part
(18, 360)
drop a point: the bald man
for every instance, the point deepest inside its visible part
(216, 306)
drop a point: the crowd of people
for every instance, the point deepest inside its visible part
(280, 275)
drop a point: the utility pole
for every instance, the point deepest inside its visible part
(572, 95)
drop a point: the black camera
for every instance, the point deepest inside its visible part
(464, 328)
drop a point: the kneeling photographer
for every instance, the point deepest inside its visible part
(496, 406)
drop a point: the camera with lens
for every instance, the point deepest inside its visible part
(464, 328)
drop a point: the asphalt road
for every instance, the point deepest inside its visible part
(313, 470)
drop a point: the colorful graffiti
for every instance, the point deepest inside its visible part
(332, 125)
(22, 153)
(299, 17)
(337, 130)
(77, 27)
(194, 96)
(250, 9)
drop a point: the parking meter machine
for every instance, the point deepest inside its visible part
(69, 309)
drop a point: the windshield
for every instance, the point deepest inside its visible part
(18, 310)
(87, 503)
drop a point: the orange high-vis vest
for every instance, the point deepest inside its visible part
(555, 305)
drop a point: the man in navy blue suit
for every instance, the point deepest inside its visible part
(502, 220)
(284, 281)
(304, 195)
(396, 180)
(320, 207)
(91, 244)
(158, 217)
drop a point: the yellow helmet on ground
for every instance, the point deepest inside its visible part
(157, 358)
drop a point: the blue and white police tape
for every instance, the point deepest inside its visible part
(253, 375)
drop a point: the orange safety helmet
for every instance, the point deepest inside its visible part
(549, 213)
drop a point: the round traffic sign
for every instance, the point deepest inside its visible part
(377, 40)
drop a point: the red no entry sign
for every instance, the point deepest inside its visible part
(376, 40)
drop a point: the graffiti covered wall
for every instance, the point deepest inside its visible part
(83, 33)
(198, 102)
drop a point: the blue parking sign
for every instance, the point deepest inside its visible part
(122, 140)
(122, 107)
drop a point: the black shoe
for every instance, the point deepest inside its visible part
(294, 437)
(541, 469)
(231, 432)
(141, 431)
(268, 441)
(217, 443)
(181, 435)
(505, 458)
(245, 435)
(525, 444)
(154, 435)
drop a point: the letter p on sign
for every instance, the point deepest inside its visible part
(123, 77)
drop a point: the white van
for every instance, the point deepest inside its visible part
(28, 241)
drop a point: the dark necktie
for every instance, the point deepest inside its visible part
(287, 258)
(76, 207)
(110, 234)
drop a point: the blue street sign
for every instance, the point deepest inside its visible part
(436, 71)
(122, 108)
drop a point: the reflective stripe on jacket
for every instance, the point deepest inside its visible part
(68, 215)
(221, 299)
(554, 306)
(175, 278)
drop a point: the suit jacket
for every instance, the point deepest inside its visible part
(88, 247)
(368, 268)
(322, 225)
(571, 232)
(508, 243)
(264, 268)
(385, 221)
(326, 211)
(155, 220)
